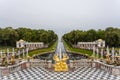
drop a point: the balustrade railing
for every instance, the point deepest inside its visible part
(78, 63)
(25, 64)
(38, 63)
(13, 68)
(41, 63)
(48, 64)
(96, 64)
(103, 66)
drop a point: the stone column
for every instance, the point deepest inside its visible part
(7, 56)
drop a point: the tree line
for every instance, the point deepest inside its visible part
(110, 35)
(9, 36)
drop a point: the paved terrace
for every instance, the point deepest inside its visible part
(80, 73)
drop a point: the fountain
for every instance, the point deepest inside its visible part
(108, 56)
(27, 56)
(102, 53)
(7, 56)
(115, 59)
(60, 54)
(119, 52)
(113, 55)
(19, 56)
(13, 57)
(1, 55)
(97, 53)
(93, 55)
(23, 53)
(60, 63)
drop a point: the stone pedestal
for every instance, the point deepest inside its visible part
(97, 65)
(93, 64)
(115, 71)
(49, 64)
(23, 66)
(71, 63)
(27, 64)
(4, 71)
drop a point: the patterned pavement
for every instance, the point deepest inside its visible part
(36, 73)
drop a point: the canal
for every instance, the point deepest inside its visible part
(60, 51)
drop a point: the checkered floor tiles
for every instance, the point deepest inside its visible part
(36, 73)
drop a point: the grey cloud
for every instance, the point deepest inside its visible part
(60, 15)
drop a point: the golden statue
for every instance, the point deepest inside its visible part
(28, 58)
(107, 58)
(63, 63)
(13, 59)
(60, 65)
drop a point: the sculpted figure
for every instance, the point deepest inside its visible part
(60, 65)
(107, 59)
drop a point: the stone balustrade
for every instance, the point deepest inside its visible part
(115, 70)
(13, 68)
(38, 63)
(25, 64)
(41, 63)
(78, 63)
(102, 66)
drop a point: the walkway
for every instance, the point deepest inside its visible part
(80, 73)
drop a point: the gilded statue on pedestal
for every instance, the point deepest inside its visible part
(13, 59)
(60, 65)
(107, 59)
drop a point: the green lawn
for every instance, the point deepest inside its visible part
(77, 50)
(43, 51)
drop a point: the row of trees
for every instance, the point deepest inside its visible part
(110, 35)
(9, 36)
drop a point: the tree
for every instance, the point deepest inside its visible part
(25, 33)
(9, 36)
(101, 34)
(91, 35)
(110, 35)
(44, 37)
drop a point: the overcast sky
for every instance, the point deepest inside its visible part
(60, 15)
